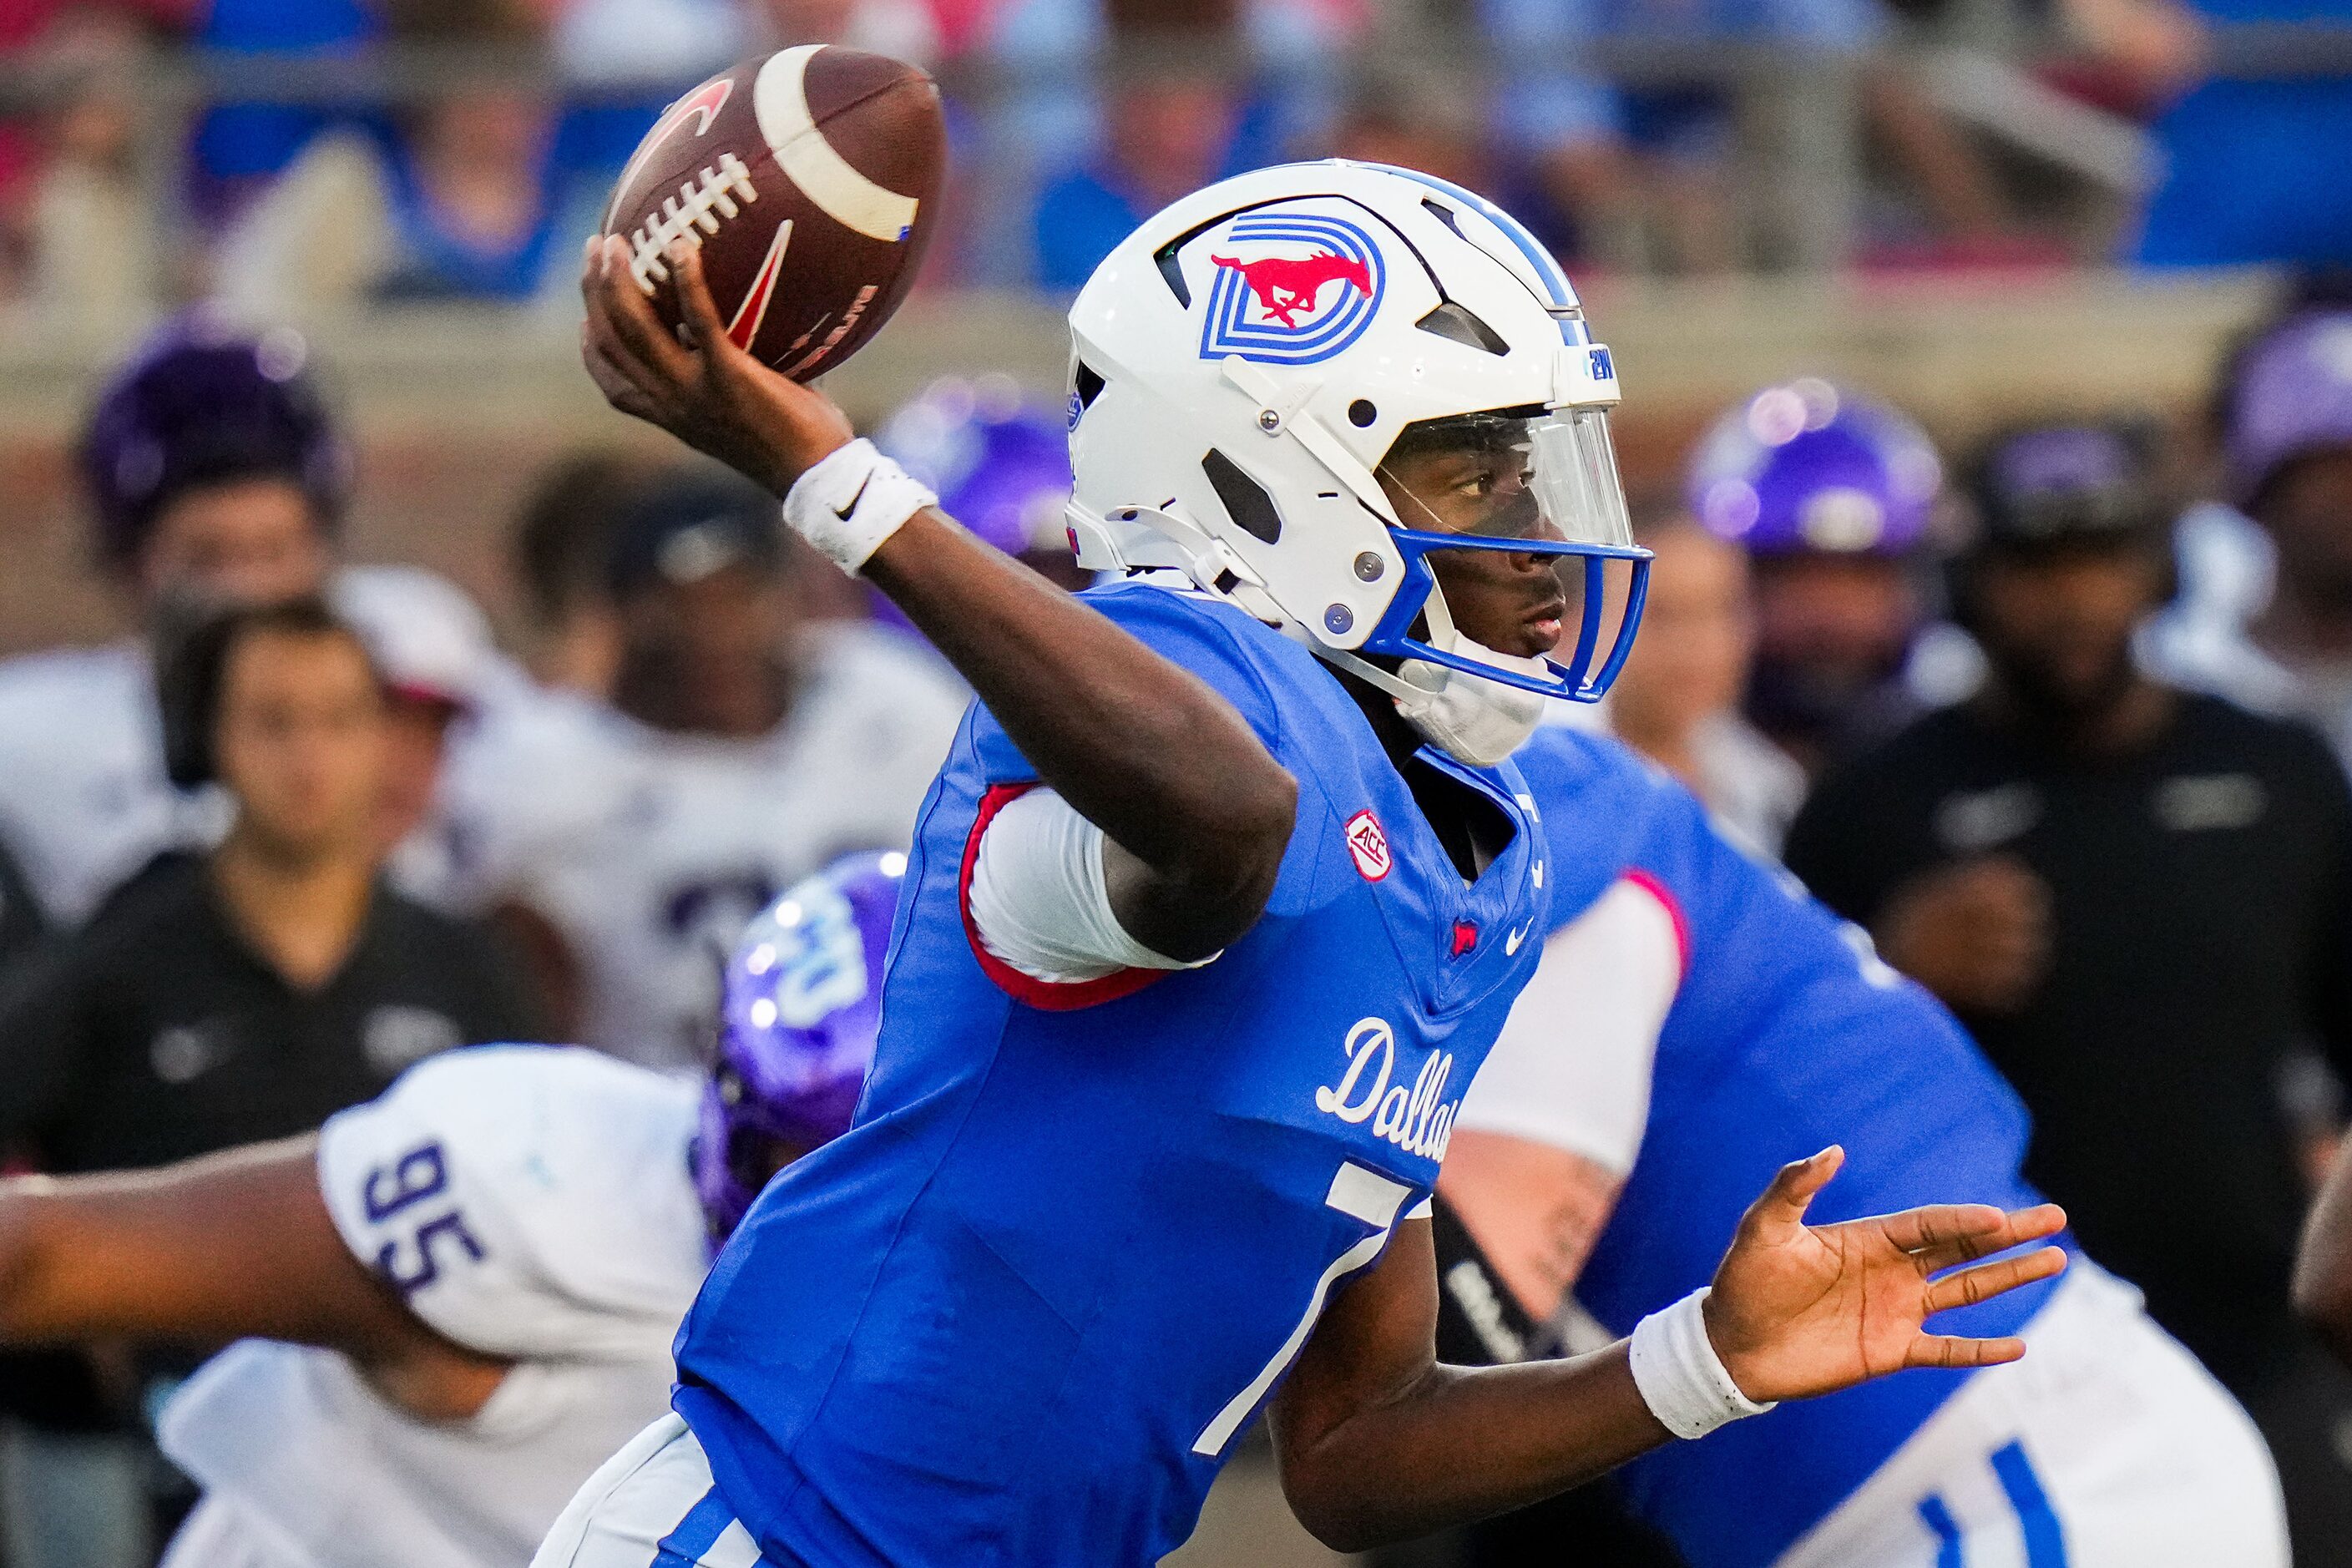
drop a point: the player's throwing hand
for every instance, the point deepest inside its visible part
(1800, 1310)
(705, 391)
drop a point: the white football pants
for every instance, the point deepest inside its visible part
(2109, 1446)
(653, 1502)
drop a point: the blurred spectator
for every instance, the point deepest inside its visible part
(1399, 120)
(2251, 165)
(249, 993)
(1001, 467)
(1166, 138)
(70, 227)
(245, 995)
(238, 147)
(1677, 700)
(1199, 90)
(214, 476)
(443, 677)
(2140, 900)
(557, 553)
(1831, 494)
(458, 197)
(2266, 617)
(1645, 174)
(743, 748)
(658, 44)
(904, 30)
(84, 237)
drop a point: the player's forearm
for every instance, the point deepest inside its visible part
(1144, 750)
(1464, 1444)
(29, 1256)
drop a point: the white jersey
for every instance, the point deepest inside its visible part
(650, 851)
(84, 801)
(529, 1202)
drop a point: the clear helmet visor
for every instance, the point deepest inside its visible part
(1512, 526)
(1549, 478)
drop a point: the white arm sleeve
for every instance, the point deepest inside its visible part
(1039, 899)
(1571, 1067)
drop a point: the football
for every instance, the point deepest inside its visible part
(808, 178)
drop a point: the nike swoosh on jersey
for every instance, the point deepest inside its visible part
(1511, 942)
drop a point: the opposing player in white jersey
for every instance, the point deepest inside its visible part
(213, 474)
(743, 748)
(461, 1295)
(1696, 1017)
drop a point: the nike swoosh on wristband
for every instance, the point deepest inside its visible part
(844, 513)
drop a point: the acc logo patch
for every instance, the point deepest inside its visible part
(1367, 846)
(1292, 286)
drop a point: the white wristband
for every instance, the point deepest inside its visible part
(1682, 1380)
(852, 501)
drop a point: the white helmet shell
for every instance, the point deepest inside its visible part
(1246, 358)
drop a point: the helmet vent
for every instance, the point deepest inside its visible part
(1086, 385)
(1443, 214)
(1245, 499)
(1165, 260)
(1455, 321)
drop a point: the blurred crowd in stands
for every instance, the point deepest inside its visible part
(312, 154)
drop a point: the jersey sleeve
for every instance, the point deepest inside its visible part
(526, 1201)
(1039, 901)
(1188, 631)
(1035, 905)
(1572, 1067)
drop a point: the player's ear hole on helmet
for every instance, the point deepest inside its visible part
(1245, 499)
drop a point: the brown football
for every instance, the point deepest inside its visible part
(809, 178)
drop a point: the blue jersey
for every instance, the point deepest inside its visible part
(1020, 1311)
(1787, 1035)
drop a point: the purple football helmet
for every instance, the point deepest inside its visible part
(2290, 393)
(1808, 467)
(202, 403)
(801, 1004)
(1002, 467)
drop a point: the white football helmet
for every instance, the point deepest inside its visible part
(1245, 360)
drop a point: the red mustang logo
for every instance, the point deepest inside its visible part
(1286, 285)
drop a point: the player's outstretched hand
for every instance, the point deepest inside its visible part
(696, 384)
(1800, 1310)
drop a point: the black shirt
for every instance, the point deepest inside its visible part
(156, 1033)
(2200, 899)
(21, 922)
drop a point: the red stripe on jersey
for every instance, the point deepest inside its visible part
(1046, 996)
(1673, 907)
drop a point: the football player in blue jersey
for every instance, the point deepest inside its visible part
(1696, 1020)
(1221, 896)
